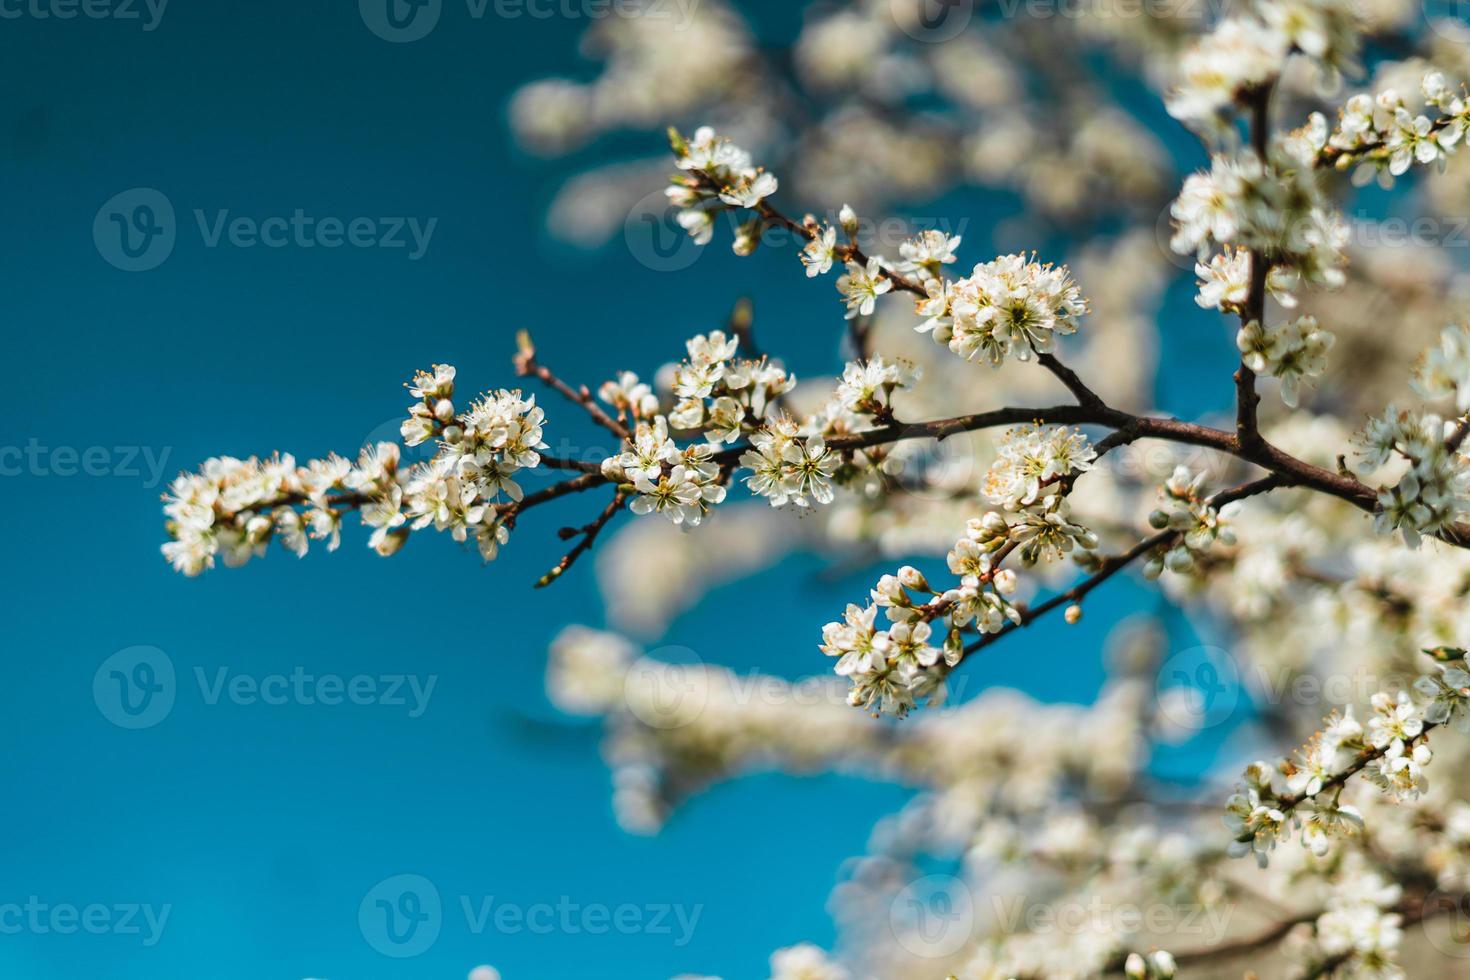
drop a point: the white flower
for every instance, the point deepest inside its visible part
(1444, 371)
(819, 253)
(861, 286)
(927, 251)
(1290, 352)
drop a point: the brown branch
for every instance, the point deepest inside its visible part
(589, 534)
(526, 364)
(1247, 425)
(1114, 564)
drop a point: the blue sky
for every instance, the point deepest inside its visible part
(254, 833)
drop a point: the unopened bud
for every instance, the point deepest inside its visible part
(912, 578)
(613, 470)
(1004, 581)
(444, 410)
(1072, 614)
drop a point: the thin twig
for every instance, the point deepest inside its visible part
(526, 364)
(589, 534)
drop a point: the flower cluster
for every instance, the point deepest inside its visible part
(893, 669)
(233, 508)
(1380, 137)
(787, 468)
(1239, 54)
(681, 484)
(1196, 524)
(721, 394)
(1276, 208)
(1356, 934)
(719, 177)
(1246, 52)
(1031, 462)
(1013, 306)
(867, 387)
(1291, 352)
(1225, 282)
(1434, 492)
(1391, 752)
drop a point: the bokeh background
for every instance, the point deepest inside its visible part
(264, 829)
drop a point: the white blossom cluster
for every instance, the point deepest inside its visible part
(1247, 51)
(1011, 307)
(1277, 208)
(233, 508)
(722, 178)
(1198, 525)
(1380, 137)
(681, 484)
(1391, 752)
(1433, 492)
(1290, 352)
(725, 396)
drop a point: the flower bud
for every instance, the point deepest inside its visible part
(1162, 962)
(1158, 520)
(1072, 614)
(613, 470)
(914, 579)
(849, 220)
(1134, 968)
(444, 410)
(1004, 581)
(1179, 560)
